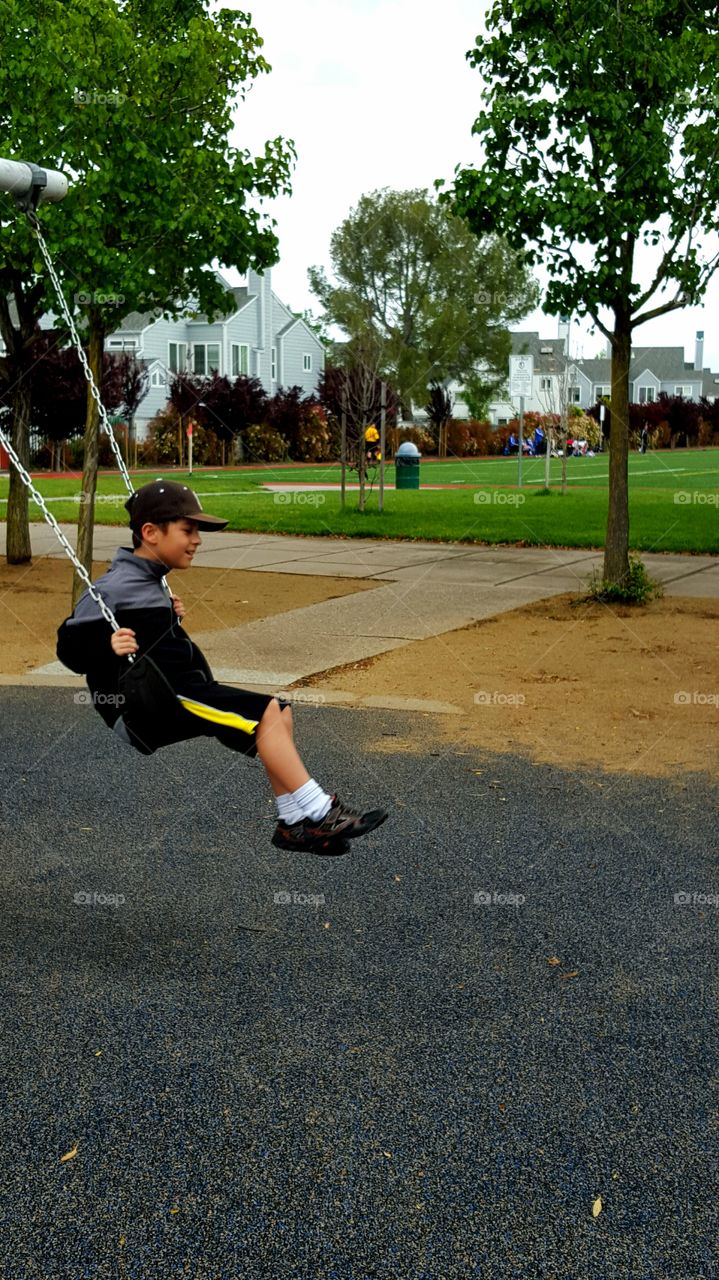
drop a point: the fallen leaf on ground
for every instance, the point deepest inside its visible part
(573, 974)
(69, 1155)
(553, 960)
(597, 1207)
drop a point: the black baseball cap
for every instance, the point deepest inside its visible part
(162, 500)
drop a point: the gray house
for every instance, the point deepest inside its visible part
(582, 382)
(260, 338)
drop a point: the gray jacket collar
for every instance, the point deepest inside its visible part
(143, 567)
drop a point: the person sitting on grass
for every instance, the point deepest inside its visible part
(166, 519)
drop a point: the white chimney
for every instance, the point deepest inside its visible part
(699, 350)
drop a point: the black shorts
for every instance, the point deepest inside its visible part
(231, 715)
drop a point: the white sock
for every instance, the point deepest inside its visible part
(288, 810)
(312, 800)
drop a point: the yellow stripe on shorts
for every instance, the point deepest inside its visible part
(228, 719)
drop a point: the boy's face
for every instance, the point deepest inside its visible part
(174, 546)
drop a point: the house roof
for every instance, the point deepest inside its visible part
(666, 362)
(548, 353)
(290, 325)
(135, 322)
(597, 370)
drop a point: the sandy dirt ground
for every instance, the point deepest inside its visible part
(625, 689)
(631, 690)
(35, 599)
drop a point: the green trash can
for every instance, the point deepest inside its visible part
(406, 462)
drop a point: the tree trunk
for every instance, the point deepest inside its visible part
(616, 550)
(564, 428)
(19, 549)
(86, 516)
(361, 470)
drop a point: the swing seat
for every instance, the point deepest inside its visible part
(151, 711)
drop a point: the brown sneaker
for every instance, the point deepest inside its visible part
(294, 839)
(341, 821)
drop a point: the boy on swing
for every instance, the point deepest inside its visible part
(166, 519)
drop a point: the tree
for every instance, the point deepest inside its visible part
(479, 391)
(600, 134)
(412, 279)
(134, 386)
(227, 408)
(439, 411)
(354, 389)
(141, 117)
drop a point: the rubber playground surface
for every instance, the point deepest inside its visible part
(482, 1045)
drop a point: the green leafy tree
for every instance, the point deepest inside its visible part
(599, 132)
(414, 281)
(138, 105)
(479, 391)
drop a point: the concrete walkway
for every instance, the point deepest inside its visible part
(423, 589)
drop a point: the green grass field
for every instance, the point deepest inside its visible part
(674, 502)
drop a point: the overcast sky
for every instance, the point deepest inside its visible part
(378, 93)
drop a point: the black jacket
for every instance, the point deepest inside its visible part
(132, 587)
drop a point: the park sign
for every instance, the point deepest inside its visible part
(521, 374)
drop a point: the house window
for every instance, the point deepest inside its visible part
(240, 359)
(157, 378)
(683, 391)
(125, 344)
(602, 391)
(546, 384)
(306, 364)
(574, 395)
(177, 357)
(205, 357)
(274, 364)
(646, 395)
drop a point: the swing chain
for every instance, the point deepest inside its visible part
(34, 223)
(107, 613)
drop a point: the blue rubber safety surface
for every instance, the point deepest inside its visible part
(272, 1065)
